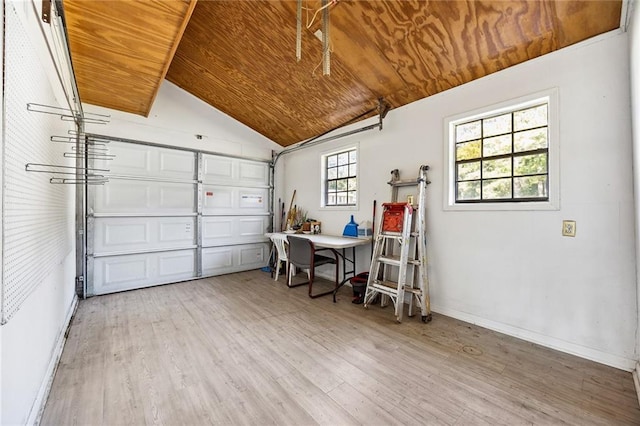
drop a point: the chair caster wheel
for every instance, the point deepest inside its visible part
(426, 318)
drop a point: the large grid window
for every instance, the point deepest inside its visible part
(341, 185)
(503, 157)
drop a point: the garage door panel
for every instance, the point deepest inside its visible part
(176, 230)
(253, 227)
(177, 164)
(233, 171)
(126, 270)
(130, 234)
(176, 196)
(122, 234)
(253, 199)
(215, 260)
(120, 273)
(217, 199)
(147, 161)
(132, 271)
(228, 259)
(227, 230)
(121, 196)
(173, 264)
(129, 159)
(249, 255)
(217, 169)
(225, 200)
(253, 173)
(118, 196)
(154, 223)
(216, 229)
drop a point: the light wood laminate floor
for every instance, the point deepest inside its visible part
(243, 349)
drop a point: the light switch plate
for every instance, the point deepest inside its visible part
(569, 228)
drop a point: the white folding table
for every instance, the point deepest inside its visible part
(336, 242)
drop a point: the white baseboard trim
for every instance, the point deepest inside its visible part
(596, 355)
(38, 406)
(636, 380)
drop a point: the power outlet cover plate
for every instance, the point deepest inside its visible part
(569, 228)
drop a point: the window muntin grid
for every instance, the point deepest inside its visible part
(503, 157)
(341, 183)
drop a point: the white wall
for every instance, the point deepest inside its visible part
(634, 53)
(513, 271)
(32, 339)
(177, 117)
(2, 132)
(32, 343)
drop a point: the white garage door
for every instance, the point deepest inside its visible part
(169, 215)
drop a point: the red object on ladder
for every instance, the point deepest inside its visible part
(393, 216)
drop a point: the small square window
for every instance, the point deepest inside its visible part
(505, 155)
(340, 183)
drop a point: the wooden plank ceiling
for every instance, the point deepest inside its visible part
(239, 56)
(121, 50)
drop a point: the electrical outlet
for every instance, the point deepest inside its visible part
(569, 228)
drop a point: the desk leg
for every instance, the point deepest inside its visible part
(346, 275)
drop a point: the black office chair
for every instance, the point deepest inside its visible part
(303, 254)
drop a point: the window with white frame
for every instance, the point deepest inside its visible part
(340, 183)
(503, 155)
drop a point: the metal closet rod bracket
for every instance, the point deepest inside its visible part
(89, 181)
(89, 155)
(71, 170)
(91, 138)
(91, 149)
(68, 114)
(72, 140)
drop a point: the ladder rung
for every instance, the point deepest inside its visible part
(395, 260)
(389, 260)
(392, 285)
(405, 182)
(393, 293)
(389, 234)
(385, 285)
(391, 289)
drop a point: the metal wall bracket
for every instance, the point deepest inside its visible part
(383, 109)
(81, 175)
(46, 11)
(69, 115)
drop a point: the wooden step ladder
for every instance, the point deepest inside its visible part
(399, 258)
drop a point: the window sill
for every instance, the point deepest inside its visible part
(339, 208)
(524, 206)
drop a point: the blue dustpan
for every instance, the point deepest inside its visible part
(351, 230)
